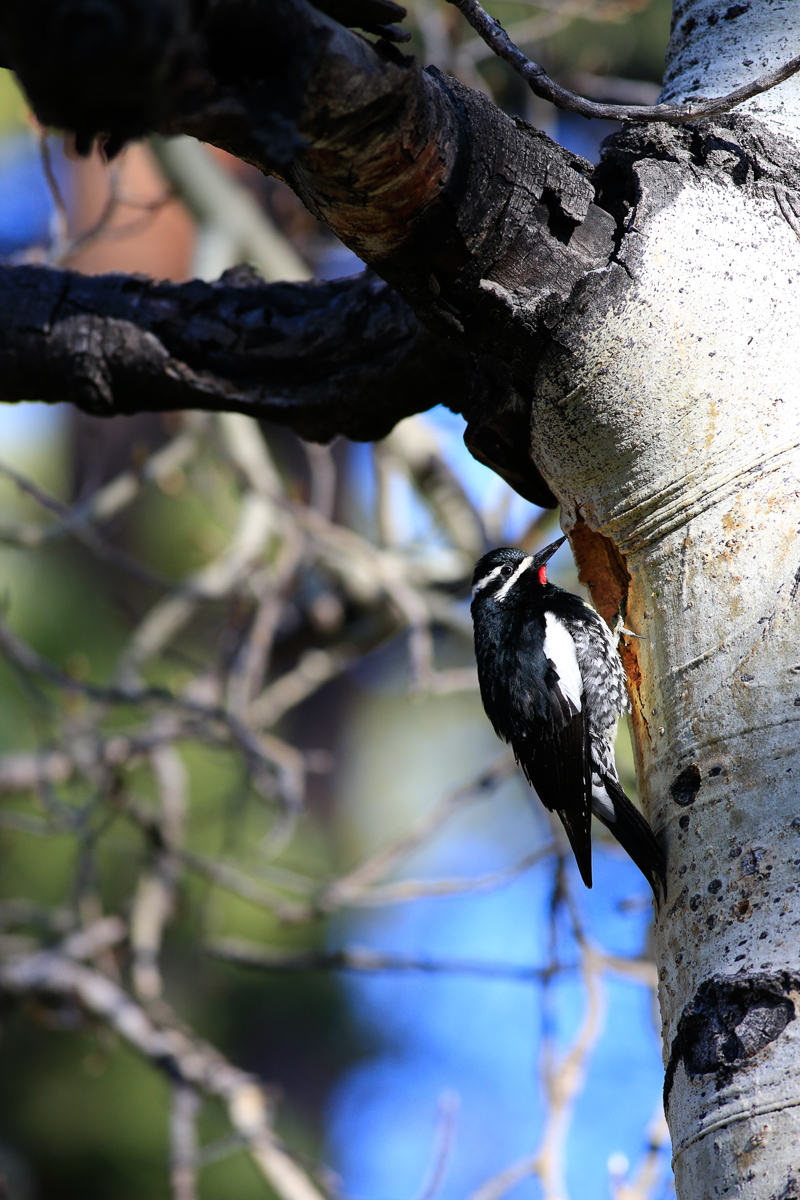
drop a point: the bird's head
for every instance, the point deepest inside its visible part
(503, 574)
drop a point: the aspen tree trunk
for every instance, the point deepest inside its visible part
(672, 428)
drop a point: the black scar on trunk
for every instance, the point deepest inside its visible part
(685, 786)
(728, 1022)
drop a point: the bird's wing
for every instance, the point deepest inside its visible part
(555, 753)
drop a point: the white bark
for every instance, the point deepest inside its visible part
(672, 428)
(718, 45)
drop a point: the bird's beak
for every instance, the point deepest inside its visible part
(545, 555)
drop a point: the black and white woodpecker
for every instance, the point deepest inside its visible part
(553, 686)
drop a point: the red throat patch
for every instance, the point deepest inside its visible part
(543, 575)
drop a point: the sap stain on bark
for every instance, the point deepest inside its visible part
(728, 1022)
(685, 786)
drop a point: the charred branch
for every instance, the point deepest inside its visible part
(483, 225)
(336, 358)
(452, 202)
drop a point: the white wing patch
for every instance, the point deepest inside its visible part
(560, 649)
(512, 579)
(487, 579)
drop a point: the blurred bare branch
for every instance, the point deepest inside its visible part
(562, 1077)
(413, 448)
(226, 212)
(648, 1179)
(154, 900)
(61, 214)
(271, 761)
(356, 958)
(106, 503)
(355, 884)
(183, 1142)
(191, 1062)
(445, 1134)
(29, 536)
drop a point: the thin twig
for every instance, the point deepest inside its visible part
(649, 1174)
(71, 522)
(262, 752)
(217, 200)
(562, 1076)
(314, 669)
(183, 1142)
(256, 892)
(445, 1136)
(62, 216)
(83, 755)
(165, 462)
(334, 898)
(154, 901)
(414, 889)
(69, 246)
(252, 661)
(216, 579)
(353, 885)
(496, 38)
(357, 958)
(21, 911)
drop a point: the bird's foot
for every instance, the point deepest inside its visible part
(619, 628)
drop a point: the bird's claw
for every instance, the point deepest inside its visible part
(618, 629)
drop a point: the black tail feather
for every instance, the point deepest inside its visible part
(636, 838)
(580, 842)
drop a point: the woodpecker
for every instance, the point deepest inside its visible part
(553, 686)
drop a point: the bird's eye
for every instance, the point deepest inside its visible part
(506, 571)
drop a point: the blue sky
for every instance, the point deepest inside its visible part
(479, 1038)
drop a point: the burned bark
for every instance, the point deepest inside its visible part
(346, 358)
(480, 222)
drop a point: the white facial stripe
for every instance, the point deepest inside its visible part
(487, 579)
(560, 649)
(509, 583)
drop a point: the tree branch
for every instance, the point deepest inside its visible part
(187, 1060)
(496, 38)
(362, 959)
(483, 225)
(337, 358)
(426, 180)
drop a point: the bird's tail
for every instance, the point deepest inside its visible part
(635, 836)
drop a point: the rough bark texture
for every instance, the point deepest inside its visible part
(625, 337)
(347, 357)
(483, 224)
